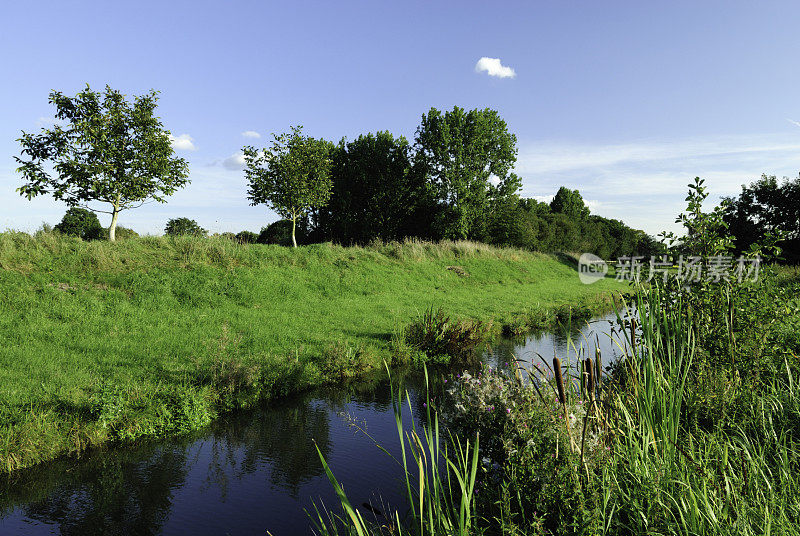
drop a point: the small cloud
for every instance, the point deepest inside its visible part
(251, 134)
(792, 121)
(234, 162)
(184, 142)
(493, 67)
(593, 204)
(49, 122)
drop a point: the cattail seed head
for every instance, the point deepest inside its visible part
(559, 380)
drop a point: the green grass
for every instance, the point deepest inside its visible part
(104, 342)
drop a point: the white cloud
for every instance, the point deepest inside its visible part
(251, 134)
(234, 162)
(184, 142)
(792, 121)
(493, 67)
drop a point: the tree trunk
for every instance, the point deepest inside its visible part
(112, 230)
(294, 225)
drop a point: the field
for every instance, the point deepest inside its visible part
(106, 342)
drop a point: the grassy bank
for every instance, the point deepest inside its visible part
(106, 342)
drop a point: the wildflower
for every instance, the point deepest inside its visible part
(508, 410)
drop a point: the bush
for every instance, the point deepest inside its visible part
(279, 232)
(82, 223)
(183, 226)
(246, 237)
(122, 233)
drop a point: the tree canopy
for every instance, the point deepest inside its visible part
(292, 176)
(376, 192)
(184, 226)
(570, 203)
(104, 149)
(766, 206)
(467, 157)
(81, 223)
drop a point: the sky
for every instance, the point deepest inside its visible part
(624, 101)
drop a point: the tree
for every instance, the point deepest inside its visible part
(570, 203)
(766, 206)
(80, 222)
(292, 176)
(246, 237)
(183, 226)
(467, 158)
(376, 193)
(108, 150)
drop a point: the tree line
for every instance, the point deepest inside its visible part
(454, 180)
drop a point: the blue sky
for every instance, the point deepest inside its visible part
(625, 101)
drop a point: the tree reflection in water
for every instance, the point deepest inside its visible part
(250, 471)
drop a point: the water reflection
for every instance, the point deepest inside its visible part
(250, 472)
(569, 343)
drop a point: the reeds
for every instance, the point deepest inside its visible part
(440, 477)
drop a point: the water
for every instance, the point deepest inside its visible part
(251, 472)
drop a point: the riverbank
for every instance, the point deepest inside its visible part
(154, 336)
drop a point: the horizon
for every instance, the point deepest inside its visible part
(626, 102)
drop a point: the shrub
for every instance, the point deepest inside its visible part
(122, 233)
(279, 232)
(438, 336)
(183, 226)
(82, 223)
(246, 237)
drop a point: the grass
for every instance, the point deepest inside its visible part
(110, 342)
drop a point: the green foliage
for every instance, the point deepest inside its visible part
(122, 233)
(530, 224)
(570, 203)
(81, 223)
(278, 233)
(109, 150)
(292, 176)
(377, 194)
(246, 237)
(467, 157)
(184, 226)
(438, 336)
(766, 206)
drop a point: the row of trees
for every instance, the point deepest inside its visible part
(453, 182)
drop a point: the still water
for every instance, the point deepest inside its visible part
(252, 472)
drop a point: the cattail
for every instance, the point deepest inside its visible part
(633, 336)
(599, 364)
(559, 380)
(589, 366)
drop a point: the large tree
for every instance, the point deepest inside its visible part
(467, 157)
(292, 176)
(103, 149)
(376, 192)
